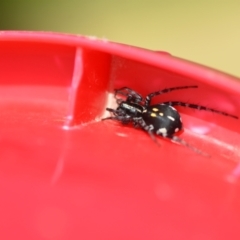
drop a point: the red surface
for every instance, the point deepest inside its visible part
(66, 175)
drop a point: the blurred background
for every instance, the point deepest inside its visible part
(207, 31)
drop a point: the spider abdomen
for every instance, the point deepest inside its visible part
(165, 119)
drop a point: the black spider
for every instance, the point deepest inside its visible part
(161, 119)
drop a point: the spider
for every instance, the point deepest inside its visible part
(161, 119)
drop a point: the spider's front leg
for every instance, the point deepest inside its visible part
(166, 90)
(129, 93)
(124, 119)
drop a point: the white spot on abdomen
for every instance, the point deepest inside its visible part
(174, 109)
(162, 131)
(171, 118)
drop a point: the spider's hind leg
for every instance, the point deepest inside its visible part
(199, 107)
(180, 141)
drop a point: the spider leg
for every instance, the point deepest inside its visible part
(199, 107)
(109, 118)
(111, 110)
(149, 128)
(129, 93)
(122, 119)
(166, 90)
(136, 125)
(125, 119)
(184, 143)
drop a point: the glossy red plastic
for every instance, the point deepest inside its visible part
(64, 174)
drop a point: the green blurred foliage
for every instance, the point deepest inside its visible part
(206, 31)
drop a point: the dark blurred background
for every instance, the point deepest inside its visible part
(206, 31)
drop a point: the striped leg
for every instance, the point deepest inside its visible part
(184, 143)
(198, 107)
(125, 119)
(129, 93)
(147, 128)
(166, 90)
